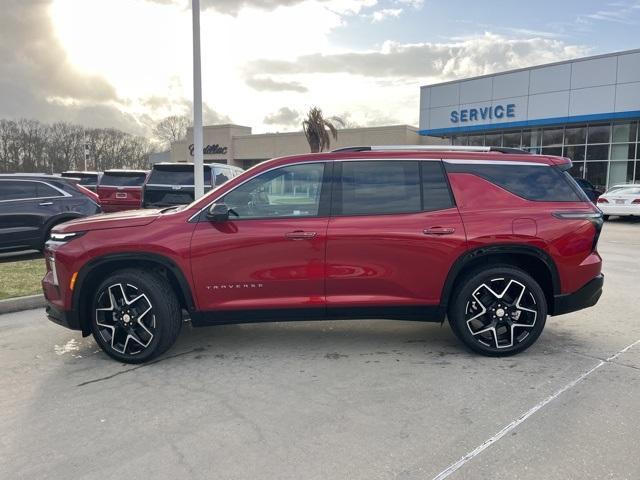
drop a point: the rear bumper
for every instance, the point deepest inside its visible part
(585, 297)
(62, 317)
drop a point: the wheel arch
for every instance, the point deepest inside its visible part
(94, 271)
(533, 260)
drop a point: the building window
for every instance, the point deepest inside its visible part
(575, 135)
(511, 139)
(599, 133)
(552, 137)
(596, 173)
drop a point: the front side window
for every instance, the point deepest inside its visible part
(379, 187)
(292, 191)
(14, 190)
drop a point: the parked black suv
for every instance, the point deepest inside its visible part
(589, 189)
(173, 184)
(32, 204)
(87, 179)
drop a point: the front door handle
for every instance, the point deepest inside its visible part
(439, 231)
(44, 204)
(300, 235)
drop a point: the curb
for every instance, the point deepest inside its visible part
(21, 303)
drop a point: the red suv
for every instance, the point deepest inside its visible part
(121, 189)
(493, 239)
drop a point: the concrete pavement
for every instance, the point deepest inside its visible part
(331, 400)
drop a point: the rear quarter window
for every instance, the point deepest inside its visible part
(122, 179)
(541, 183)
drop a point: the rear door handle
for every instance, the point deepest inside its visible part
(439, 231)
(44, 204)
(300, 235)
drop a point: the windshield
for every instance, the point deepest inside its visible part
(176, 175)
(123, 179)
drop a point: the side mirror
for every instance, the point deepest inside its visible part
(218, 212)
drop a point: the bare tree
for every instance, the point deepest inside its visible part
(65, 149)
(317, 129)
(172, 129)
(32, 146)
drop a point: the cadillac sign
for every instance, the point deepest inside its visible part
(214, 149)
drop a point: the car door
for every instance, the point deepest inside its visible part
(22, 213)
(270, 254)
(394, 234)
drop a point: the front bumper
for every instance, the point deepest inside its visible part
(585, 297)
(65, 318)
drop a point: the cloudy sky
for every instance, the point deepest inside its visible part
(127, 63)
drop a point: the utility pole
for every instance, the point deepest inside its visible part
(86, 149)
(198, 160)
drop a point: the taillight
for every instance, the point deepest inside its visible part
(602, 200)
(636, 201)
(596, 219)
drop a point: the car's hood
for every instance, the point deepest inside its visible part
(129, 218)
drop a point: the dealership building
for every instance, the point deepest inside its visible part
(585, 109)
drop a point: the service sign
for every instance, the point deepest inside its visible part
(483, 114)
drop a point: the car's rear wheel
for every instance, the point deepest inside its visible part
(498, 311)
(135, 316)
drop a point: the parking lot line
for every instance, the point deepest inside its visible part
(490, 441)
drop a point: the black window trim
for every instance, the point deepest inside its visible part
(63, 193)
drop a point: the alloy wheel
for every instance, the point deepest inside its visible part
(501, 313)
(125, 318)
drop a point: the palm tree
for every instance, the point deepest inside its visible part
(317, 129)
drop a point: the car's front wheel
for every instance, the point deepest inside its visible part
(136, 316)
(498, 311)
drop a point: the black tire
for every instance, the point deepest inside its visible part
(605, 217)
(514, 329)
(141, 330)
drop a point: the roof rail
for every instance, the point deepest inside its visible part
(432, 148)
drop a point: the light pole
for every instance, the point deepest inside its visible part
(198, 173)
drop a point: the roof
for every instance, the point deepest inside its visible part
(189, 164)
(125, 170)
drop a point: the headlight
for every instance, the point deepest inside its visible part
(65, 237)
(51, 263)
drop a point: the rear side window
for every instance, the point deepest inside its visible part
(122, 179)
(378, 187)
(540, 183)
(44, 190)
(176, 175)
(435, 190)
